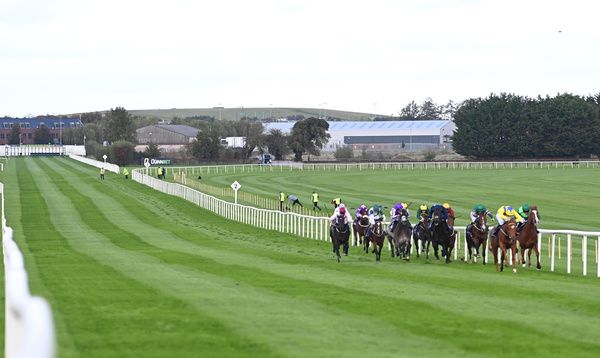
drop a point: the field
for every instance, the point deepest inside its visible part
(132, 272)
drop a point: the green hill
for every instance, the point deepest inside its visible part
(258, 112)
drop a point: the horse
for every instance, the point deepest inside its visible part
(528, 237)
(441, 235)
(421, 233)
(376, 236)
(399, 238)
(507, 239)
(477, 236)
(339, 236)
(360, 226)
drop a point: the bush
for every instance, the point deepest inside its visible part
(344, 154)
(122, 152)
(429, 155)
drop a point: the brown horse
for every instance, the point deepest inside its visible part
(528, 237)
(360, 229)
(377, 236)
(507, 239)
(477, 236)
(441, 235)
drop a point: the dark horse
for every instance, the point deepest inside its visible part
(441, 235)
(507, 239)
(528, 238)
(399, 238)
(477, 236)
(421, 233)
(360, 229)
(376, 236)
(339, 236)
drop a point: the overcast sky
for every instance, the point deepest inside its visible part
(375, 56)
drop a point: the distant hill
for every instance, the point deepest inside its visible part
(260, 113)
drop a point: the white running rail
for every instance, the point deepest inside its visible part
(29, 327)
(95, 163)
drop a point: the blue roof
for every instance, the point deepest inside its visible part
(365, 125)
(48, 122)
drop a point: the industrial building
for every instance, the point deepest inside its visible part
(28, 126)
(166, 134)
(383, 135)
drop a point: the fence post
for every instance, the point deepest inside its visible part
(568, 253)
(552, 253)
(584, 254)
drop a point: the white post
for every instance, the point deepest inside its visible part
(584, 254)
(598, 256)
(539, 245)
(568, 253)
(552, 253)
(456, 248)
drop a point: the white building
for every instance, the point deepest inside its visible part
(383, 135)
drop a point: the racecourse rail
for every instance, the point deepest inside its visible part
(318, 227)
(29, 327)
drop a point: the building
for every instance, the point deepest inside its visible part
(166, 134)
(383, 135)
(28, 126)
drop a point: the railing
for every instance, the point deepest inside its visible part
(318, 227)
(95, 163)
(29, 327)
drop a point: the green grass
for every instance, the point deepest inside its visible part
(132, 272)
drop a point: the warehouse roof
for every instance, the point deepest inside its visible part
(365, 125)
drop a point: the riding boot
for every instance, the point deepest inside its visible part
(520, 226)
(392, 225)
(495, 231)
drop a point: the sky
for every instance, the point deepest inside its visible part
(375, 56)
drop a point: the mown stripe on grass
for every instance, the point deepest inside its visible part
(233, 258)
(106, 313)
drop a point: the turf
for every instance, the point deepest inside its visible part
(132, 272)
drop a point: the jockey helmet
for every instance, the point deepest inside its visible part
(423, 207)
(509, 211)
(342, 206)
(398, 206)
(363, 207)
(377, 208)
(404, 205)
(446, 205)
(479, 208)
(342, 210)
(526, 207)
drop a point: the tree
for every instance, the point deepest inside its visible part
(122, 152)
(344, 153)
(253, 131)
(411, 112)
(152, 151)
(119, 125)
(42, 135)
(429, 110)
(206, 146)
(91, 117)
(308, 136)
(277, 143)
(15, 134)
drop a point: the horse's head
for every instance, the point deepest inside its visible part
(364, 221)
(340, 223)
(481, 222)
(378, 228)
(534, 214)
(436, 216)
(509, 228)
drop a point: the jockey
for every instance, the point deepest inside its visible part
(341, 211)
(504, 214)
(450, 210)
(375, 214)
(361, 211)
(443, 212)
(524, 212)
(423, 210)
(477, 210)
(397, 211)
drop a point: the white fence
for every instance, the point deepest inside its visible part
(95, 163)
(318, 227)
(29, 327)
(41, 149)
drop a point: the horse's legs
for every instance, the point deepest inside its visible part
(503, 257)
(346, 244)
(537, 254)
(435, 250)
(523, 262)
(495, 253)
(484, 250)
(392, 249)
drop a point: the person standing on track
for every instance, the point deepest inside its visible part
(315, 200)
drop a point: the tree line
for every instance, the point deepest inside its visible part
(512, 126)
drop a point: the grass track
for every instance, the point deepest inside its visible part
(131, 272)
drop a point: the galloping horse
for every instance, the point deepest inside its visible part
(507, 238)
(339, 236)
(399, 238)
(478, 237)
(528, 238)
(360, 229)
(377, 236)
(421, 233)
(441, 235)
